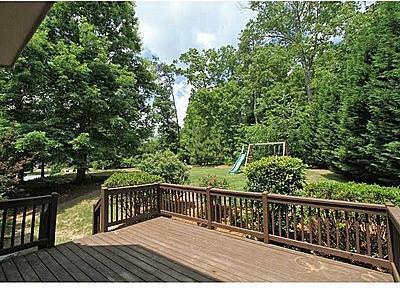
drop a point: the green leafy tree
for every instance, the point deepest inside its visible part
(82, 74)
(38, 146)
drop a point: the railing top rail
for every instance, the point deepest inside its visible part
(277, 198)
(188, 187)
(19, 202)
(217, 191)
(135, 187)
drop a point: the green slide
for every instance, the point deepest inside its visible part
(238, 163)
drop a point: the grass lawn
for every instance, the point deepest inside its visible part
(75, 208)
(238, 181)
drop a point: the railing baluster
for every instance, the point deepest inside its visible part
(337, 229)
(14, 222)
(235, 210)
(246, 214)
(357, 226)
(294, 222)
(33, 223)
(116, 207)
(280, 220)
(346, 217)
(310, 224)
(23, 224)
(379, 235)
(258, 216)
(287, 220)
(367, 232)
(225, 218)
(302, 222)
(273, 218)
(111, 219)
(3, 228)
(319, 226)
(241, 212)
(327, 227)
(252, 214)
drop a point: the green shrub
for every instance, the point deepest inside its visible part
(166, 165)
(355, 192)
(213, 181)
(56, 168)
(276, 174)
(8, 188)
(122, 179)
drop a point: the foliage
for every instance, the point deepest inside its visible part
(82, 81)
(355, 192)
(322, 76)
(214, 181)
(122, 179)
(276, 174)
(164, 108)
(370, 116)
(166, 165)
(8, 188)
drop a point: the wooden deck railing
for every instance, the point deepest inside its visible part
(394, 228)
(358, 232)
(27, 222)
(125, 205)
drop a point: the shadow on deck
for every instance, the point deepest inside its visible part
(170, 250)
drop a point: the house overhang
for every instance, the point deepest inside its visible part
(18, 23)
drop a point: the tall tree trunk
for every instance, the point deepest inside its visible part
(176, 113)
(82, 167)
(20, 176)
(255, 107)
(307, 83)
(42, 169)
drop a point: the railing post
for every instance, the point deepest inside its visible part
(52, 220)
(209, 212)
(104, 210)
(389, 231)
(95, 229)
(265, 216)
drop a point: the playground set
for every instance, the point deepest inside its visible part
(273, 149)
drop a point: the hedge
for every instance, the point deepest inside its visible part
(122, 179)
(355, 192)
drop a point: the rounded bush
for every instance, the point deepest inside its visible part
(276, 174)
(166, 165)
(123, 179)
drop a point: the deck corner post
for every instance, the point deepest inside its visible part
(265, 216)
(104, 210)
(209, 212)
(52, 220)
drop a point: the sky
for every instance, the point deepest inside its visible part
(170, 28)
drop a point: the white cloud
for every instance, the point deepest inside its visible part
(170, 28)
(206, 40)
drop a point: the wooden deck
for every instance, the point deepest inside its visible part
(169, 250)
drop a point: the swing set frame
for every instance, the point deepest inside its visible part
(281, 152)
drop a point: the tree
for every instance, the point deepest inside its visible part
(303, 27)
(38, 146)
(90, 82)
(164, 107)
(369, 147)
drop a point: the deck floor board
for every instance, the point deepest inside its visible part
(170, 250)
